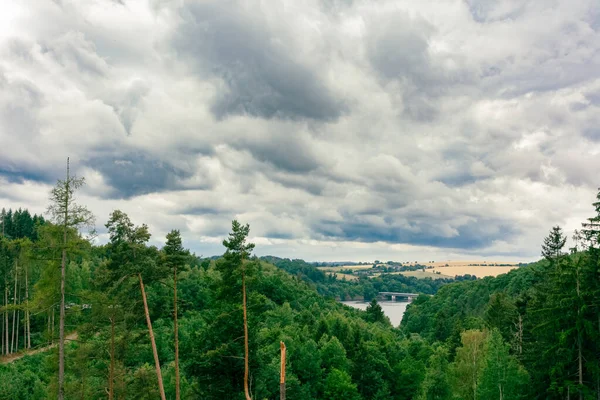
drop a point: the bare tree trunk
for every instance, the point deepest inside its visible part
(154, 350)
(579, 344)
(282, 373)
(176, 329)
(61, 323)
(12, 339)
(2, 334)
(111, 371)
(52, 327)
(17, 339)
(246, 351)
(61, 326)
(27, 313)
(6, 348)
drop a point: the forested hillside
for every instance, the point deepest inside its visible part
(126, 320)
(547, 316)
(329, 285)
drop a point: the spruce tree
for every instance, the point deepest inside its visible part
(238, 251)
(174, 258)
(553, 244)
(69, 216)
(130, 257)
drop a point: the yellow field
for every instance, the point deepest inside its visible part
(346, 277)
(426, 274)
(484, 268)
(352, 267)
(479, 272)
(465, 263)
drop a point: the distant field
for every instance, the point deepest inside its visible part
(346, 277)
(426, 274)
(483, 269)
(465, 263)
(352, 267)
(479, 272)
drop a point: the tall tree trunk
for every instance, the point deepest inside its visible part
(154, 350)
(579, 340)
(176, 329)
(52, 327)
(17, 339)
(27, 313)
(12, 339)
(61, 323)
(246, 368)
(111, 371)
(61, 327)
(6, 348)
(282, 372)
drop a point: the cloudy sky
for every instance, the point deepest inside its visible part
(339, 129)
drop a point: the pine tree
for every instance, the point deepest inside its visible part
(590, 235)
(553, 244)
(238, 251)
(591, 229)
(70, 216)
(174, 259)
(131, 258)
(3, 222)
(375, 313)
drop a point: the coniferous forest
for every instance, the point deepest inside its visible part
(128, 320)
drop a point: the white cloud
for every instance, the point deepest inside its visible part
(338, 129)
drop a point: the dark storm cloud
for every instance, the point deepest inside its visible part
(312, 184)
(286, 151)
(136, 174)
(470, 236)
(399, 51)
(19, 174)
(322, 123)
(262, 76)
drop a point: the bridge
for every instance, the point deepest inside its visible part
(395, 295)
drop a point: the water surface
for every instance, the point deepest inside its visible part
(394, 310)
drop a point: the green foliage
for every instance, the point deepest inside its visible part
(517, 336)
(501, 377)
(375, 313)
(435, 384)
(174, 255)
(553, 244)
(468, 364)
(339, 386)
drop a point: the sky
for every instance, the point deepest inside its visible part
(338, 129)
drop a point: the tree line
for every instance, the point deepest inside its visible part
(134, 321)
(546, 317)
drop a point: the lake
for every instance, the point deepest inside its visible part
(394, 310)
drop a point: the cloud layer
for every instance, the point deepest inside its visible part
(338, 129)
